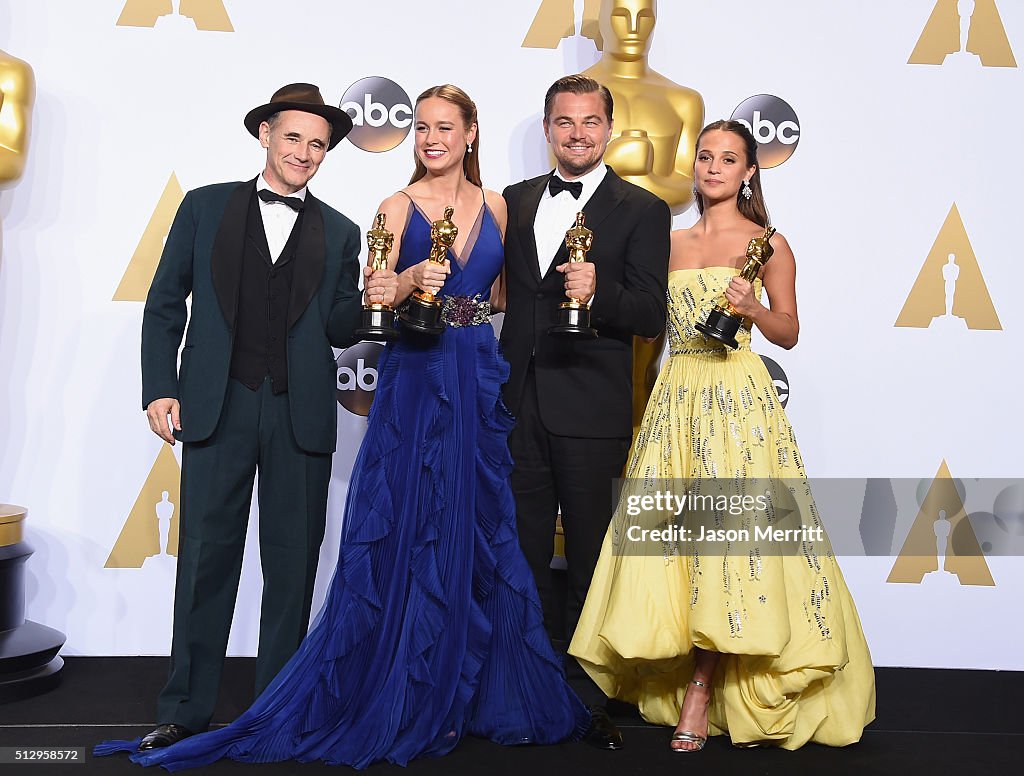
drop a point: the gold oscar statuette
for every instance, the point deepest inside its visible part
(423, 311)
(574, 315)
(378, 318)
(724, 321)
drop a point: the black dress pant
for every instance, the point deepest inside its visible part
(577, 475)
(254, 433)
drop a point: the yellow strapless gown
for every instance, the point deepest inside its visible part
(795, 665)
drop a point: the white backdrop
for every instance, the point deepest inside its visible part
(886, 149)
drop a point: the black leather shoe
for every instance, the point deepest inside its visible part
(603, 734)
(164, 735)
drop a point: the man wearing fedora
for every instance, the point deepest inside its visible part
(273, 274)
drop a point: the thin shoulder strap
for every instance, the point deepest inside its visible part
(408, 214)
(412, 204)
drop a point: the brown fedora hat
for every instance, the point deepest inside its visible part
(304, 97)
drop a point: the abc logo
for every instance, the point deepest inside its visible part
(779, 380)
(357, 376)
(381, 113)
(774, 125)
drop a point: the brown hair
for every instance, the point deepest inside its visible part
(754, 208)
(578, 84)
(467, 109)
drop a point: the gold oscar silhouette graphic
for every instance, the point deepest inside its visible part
(151, 529)
(967, 32)
(555, 20)
(950, 291)
(17, 95)
(207, 15)
(138, 276)
(941, 541)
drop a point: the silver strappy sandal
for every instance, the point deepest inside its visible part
(688, 736)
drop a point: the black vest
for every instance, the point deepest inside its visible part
(261, 322)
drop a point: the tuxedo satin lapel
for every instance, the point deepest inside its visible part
(527, 215)
(228, 249)
(310, 259)
(607, 197)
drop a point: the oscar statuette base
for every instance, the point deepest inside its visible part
(573, 322)
(422, 315)
(378, 324)
(721, 326)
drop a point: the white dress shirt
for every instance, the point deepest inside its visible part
(556, 215)
(278, 218)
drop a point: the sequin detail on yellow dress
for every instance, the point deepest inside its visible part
(795, 665)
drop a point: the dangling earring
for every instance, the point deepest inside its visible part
(695, 189)
(746, 190)
(469, 148)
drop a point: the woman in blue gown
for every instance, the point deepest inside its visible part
(432, 627)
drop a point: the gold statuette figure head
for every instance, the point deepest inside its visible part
(626, 26)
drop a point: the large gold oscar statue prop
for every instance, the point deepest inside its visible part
(656, 124)
(17, 93)
(29, 663)
(656, 120)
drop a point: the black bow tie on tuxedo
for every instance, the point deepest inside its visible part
(556, 184)
(295, 203)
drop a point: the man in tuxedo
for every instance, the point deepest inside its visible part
(573, 397)
(273, 274)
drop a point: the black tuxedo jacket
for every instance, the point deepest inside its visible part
(585, 387)
(203, 257)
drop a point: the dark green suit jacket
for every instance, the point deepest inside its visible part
(203, 257)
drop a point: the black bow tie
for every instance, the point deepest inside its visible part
(556, 184)
(295, 203)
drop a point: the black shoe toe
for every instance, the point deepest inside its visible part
(163, 735)
(603, 734)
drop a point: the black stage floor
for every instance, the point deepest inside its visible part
(934, 722)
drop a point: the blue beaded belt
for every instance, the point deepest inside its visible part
(465, 311)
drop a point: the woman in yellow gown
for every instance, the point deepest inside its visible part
(752, 638)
